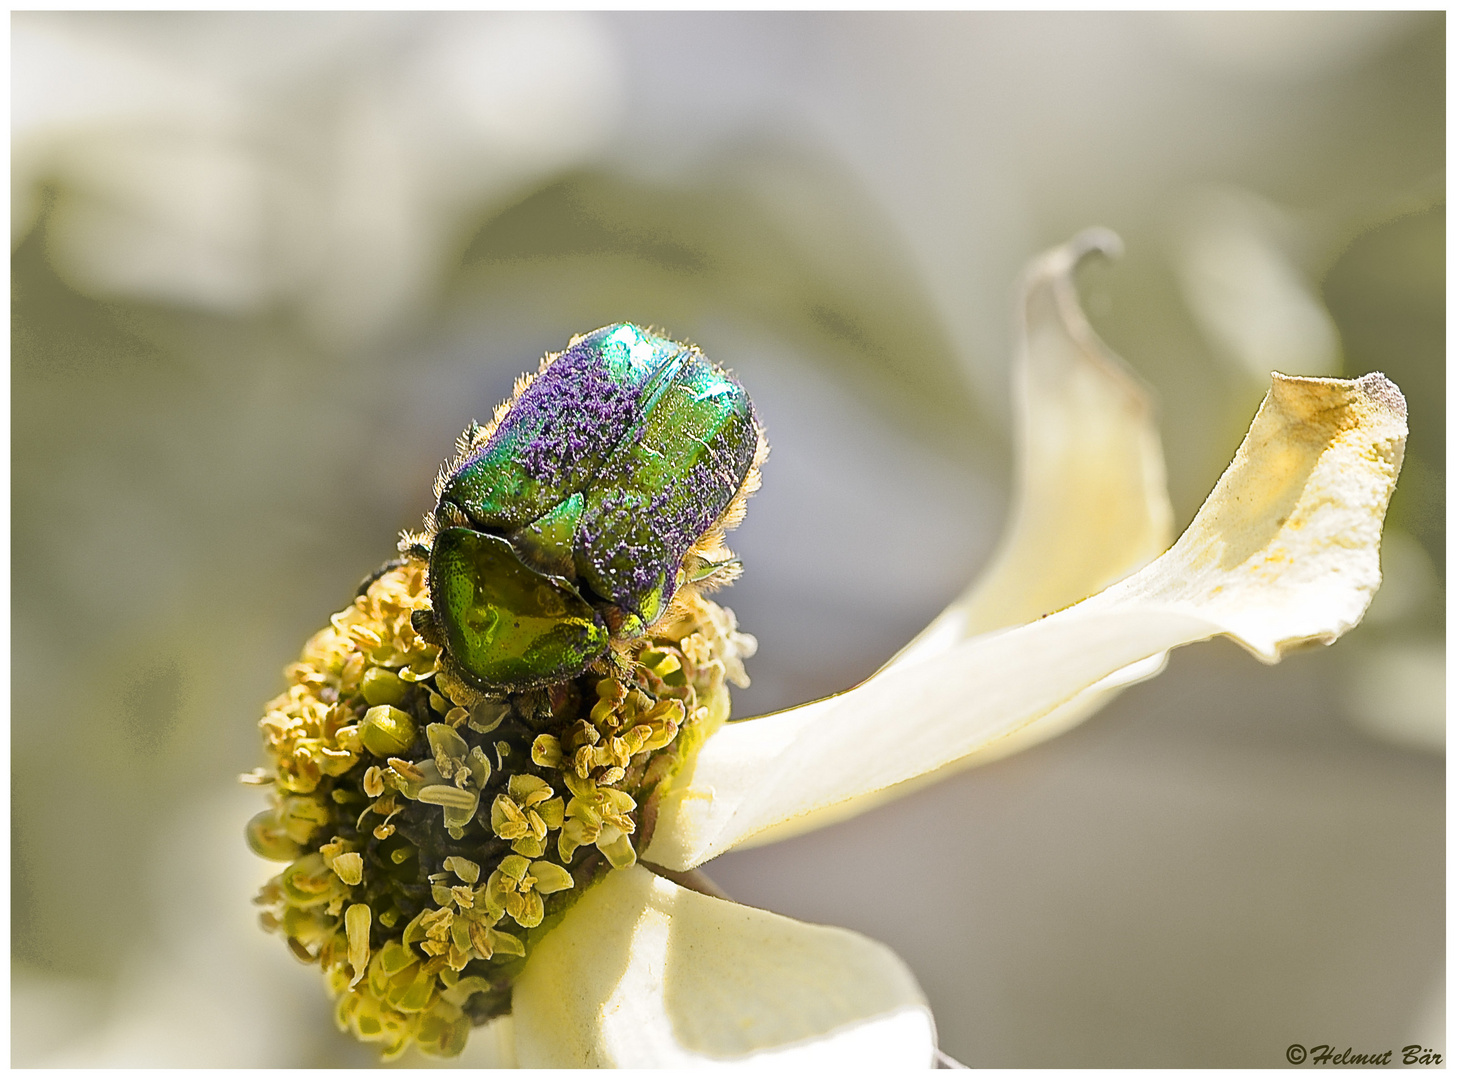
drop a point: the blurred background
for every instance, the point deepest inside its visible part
(265, 267)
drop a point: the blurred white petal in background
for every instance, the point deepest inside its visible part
(207, 184)
(1242, 282)
(1399, 693)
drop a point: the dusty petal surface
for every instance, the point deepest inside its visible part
(1283, 552)
(1286, 548)
(641, 972)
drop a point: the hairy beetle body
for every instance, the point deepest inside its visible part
(601, 489)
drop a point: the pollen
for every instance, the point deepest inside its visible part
(430, 831)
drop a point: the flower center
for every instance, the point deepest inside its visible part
(434, 833)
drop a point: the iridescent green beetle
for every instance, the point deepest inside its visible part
(566, 526)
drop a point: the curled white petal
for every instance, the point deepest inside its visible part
(643, 973)
(1286, 548)
(1091, 504)
(1283, 552)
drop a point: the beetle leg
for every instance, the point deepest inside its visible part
(617, 661)
(414, 545)
(622, 624)
(393, 564)
(427, 626)
(707, 576)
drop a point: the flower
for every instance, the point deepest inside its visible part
(430, 839)
(637, 963)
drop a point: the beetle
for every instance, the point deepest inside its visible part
(566, 527)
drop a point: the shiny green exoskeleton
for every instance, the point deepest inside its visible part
(601, 490)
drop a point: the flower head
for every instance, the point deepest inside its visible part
(455, 856)
(430, 828)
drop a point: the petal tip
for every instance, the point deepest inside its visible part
(1061, 261)
(1381, 391)
(1311, 398)
(1097, 240)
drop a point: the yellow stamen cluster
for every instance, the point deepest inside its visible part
(623, 723)
(370, 650)
(525, 812)
(518, 886)
(601, 816)
(432, 832)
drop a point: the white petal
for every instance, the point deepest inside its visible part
(1091, 504)
(1286, 548)
(1284, 551)
(643, 973)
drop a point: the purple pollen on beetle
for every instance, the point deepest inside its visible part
(576, 413)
